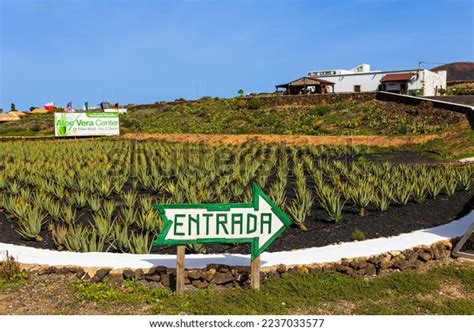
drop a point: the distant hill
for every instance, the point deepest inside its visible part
(458, 71)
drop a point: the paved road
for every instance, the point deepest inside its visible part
(462, 99)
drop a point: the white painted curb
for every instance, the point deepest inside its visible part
(330, 253)
(466, 160)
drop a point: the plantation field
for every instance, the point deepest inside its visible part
(97, 195)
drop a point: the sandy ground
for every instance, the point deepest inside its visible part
(381, 141)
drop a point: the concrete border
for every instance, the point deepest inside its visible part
(326, 254)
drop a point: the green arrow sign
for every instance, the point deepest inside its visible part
(259, 223)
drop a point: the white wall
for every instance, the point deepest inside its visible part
(432, 82)
(345, 83)
(426, 80)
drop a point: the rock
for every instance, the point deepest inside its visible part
(62, 271)
(115, 277)
(168, 280)
(128, 274)
(196, 274)
(210, 274)
(46, 270)
(157, 270)
(221, 278)
(359, 263)
(315, 268)
(281, 268)
(437, 254)
(329, 267)
(370, 270)
(394, 253)
(413, 257)
(385, 264)
(139, 274)
(384, 261)
(424, 256)
(95, 279)
(235, 272)
(345, 262)
(302, 269)
(401, 263)
(197, 283)
(223, 268)
(448, 245)
(153, 278)
(271, 274)
(80, 273)
(344, 269)
(101, 273)
(243, 277)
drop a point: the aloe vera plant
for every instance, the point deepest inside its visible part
(59, 233)
(29, 226)
(381, 202)
(464, 177)
(148, 221)
(361, 195)
(112, 185)
(420, 191)
(331, 202)
(129, 198)
(402, 193)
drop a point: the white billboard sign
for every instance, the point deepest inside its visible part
(86, 124)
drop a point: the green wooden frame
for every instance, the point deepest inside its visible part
(255, 250)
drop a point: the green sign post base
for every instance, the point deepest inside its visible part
(258, 223)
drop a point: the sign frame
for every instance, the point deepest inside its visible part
(79, 124)
(257, 193)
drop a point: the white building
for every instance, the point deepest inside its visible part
(362, 79)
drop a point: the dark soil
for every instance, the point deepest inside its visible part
(401, 157)
(396, 220)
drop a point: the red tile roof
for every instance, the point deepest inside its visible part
(397, 77)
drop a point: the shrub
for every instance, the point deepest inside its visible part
(9, 267)
(254, 103)
(358, 235)
(320, 110)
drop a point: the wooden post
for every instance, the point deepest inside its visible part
(180, 252)
(255, 273)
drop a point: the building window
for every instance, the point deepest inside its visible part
(356, 88)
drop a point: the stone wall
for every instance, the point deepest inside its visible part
(279, 100)
(317, 99)
(426, 102)
(223, 276)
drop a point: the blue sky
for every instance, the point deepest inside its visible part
(141, 51)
